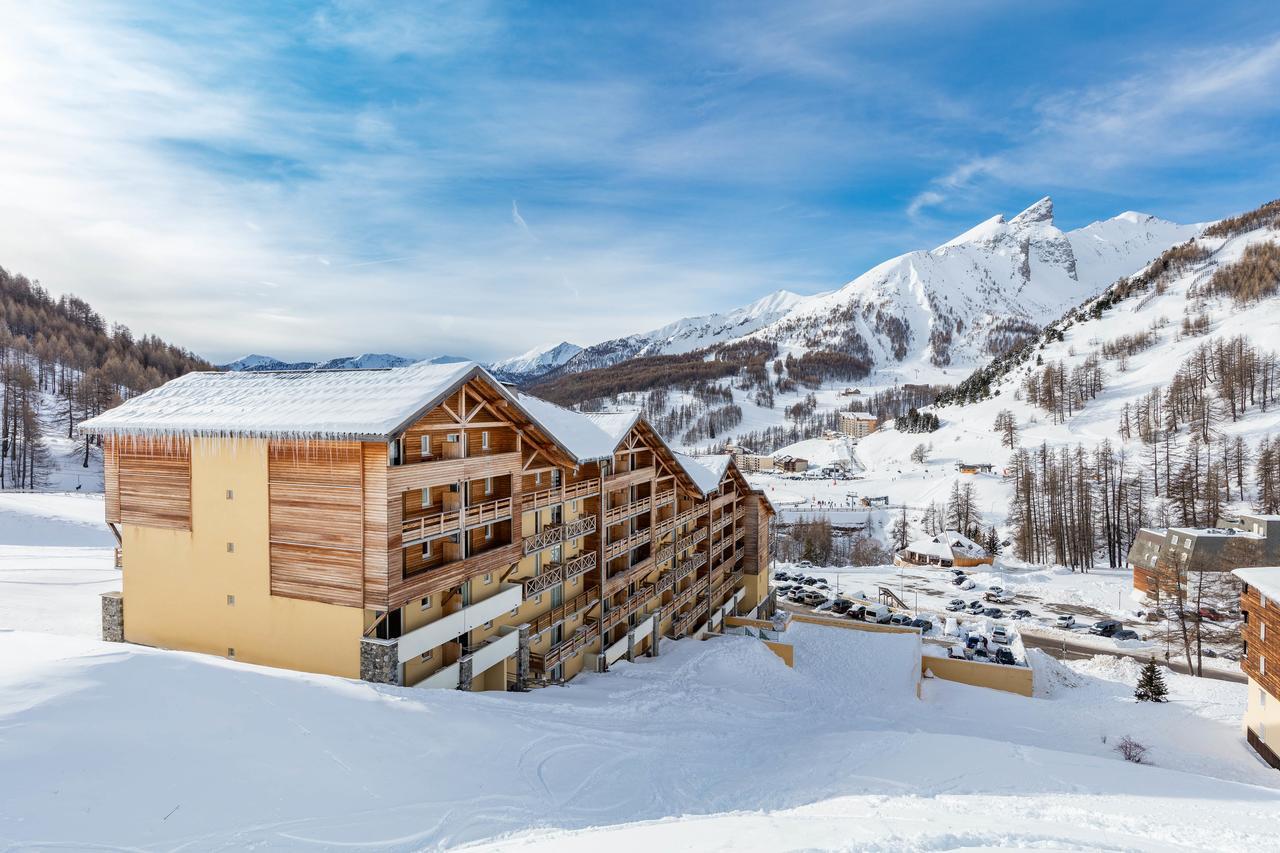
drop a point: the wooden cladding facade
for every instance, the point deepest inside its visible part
(316, 521)
(1260, 648)
(149, 482)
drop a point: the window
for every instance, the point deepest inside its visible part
(231, 547)
(488, 534)
(537, 478)
(488, 485)
(426, 497)
(488, 624)
(1262, 664)
(425, 656)
(484, 440)
(231, 495)
(394, 449)
(231, 601)
(424, 446)
(1262, 631)
(452, 438)
(426, 549)
(1175, 540)
(425, 604)
(488, 578)
(1262, 697)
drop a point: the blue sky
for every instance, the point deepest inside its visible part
(478, 178)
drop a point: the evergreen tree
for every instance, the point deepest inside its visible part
(1151, 687)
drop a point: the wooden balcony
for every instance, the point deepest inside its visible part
(621, 513)
(431, 581)
(543, 498)
(555, 534)
(556, 573)
(664, 498)
(664, 554)
(628, 543)
(620, 580)
(568, 610)
(692, 539)
(570, 646)
(721, 500)
(438, 524)
(620, 614)
(721, 523)
(687, 567)
(435, 472)
(664, 526)
(623, 479)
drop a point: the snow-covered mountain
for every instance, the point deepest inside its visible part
(957, 304)
(370, 360)
(535, 362)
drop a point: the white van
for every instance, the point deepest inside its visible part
(877, 613)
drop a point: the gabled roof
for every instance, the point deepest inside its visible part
(615, 424)
(579, 434)
(705, 471)
(322, 404)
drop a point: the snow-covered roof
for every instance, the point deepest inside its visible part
(1265, 578)
(946, 544)
(705, 471)
(614, 424)
(931, 547)
(960, 542)
(322, 404)
(577, 433)
(862, 416)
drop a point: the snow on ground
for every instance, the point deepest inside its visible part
(54, 587)
(710, 745)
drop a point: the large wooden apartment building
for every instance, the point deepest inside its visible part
(421, 525)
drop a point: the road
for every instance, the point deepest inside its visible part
(1069, 650)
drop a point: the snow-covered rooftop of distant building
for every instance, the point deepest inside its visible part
(1205, 532)
(1265, 578)
(862, 416)
(319, 404)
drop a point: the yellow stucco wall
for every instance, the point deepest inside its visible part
(1010, 679)
(1262, 714)
(176, 583)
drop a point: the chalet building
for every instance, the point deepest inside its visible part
(949, 549)
(422, 526)
(975, 467)
(1250, 540)
(791, 464)
(858, 424)
(1260, 608)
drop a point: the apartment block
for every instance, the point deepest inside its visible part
(424, 526)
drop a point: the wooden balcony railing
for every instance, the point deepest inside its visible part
(664, 583)
(663, 526)
(557, 533)
(663, 498)
(620, 614)
(687, 567)
(434, 472)
(567, 648)
(628, 543)
(721, 500)
(568, 610)
(692, 539)
(664, 554)
(721, 523)
(621, 579)
(621, 513)
(622, 479)
(558, 494)
(440, 523)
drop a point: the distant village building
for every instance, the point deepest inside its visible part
(975, 467)
(1260, 613)
(753, 462)
(946, 550)
(858, 424)
(850, 392)
(791, 464)
(1250, 540)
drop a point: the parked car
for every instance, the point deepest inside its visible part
(923, 624)
(981, 653)
(796, 596)
(823, 607)
(1105, 627)
(1125, 634)
(899, 619)
(1065, 621)
(975, 641)
(996, 589)
(781, 576)
(959, 579)
(1000, 634)
(955, 605)
(1211, 614)
(812, 597)
(1004, 655)
(1209, 653)
(999, 597)
(957, 652)
(993, 612)
(805, 564)
(785, 588)
(841, 605)
(810, 581)
(857, 611)
(958, 572)
(975, 607)
(822, 585)
(1020, 613)
(967, 584)
(877, 613)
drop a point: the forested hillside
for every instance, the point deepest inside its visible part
(60, 363)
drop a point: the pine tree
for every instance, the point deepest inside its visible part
(1151, 687)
